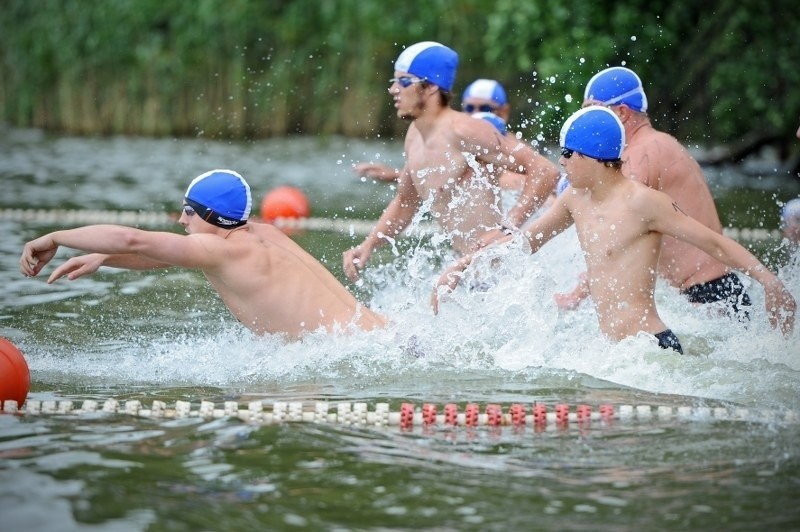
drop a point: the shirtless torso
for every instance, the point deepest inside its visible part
(620, 223)
(462, 192)
(272, 285)
(269, 283)
(621, 256)
(453, 161)
(659, 161)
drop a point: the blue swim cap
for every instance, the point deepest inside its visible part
(221, 198)
(615, 86)
(493, 119)
(486, 89)
(596, 132)
(431, 61)
(791, 210)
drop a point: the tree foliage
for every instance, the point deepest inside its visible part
(714, 72)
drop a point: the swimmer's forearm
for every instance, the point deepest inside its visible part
(764, 276)
(117, 245)
(780, 303)
(738, 257)
(520, 213)
(541, 230)
(391, 224)
(380, 236)
(538, 186)
(523, 209)
(106, 239)
(535, 239)
(132, 261)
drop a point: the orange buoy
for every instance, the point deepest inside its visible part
(15, 377)
(285, 202)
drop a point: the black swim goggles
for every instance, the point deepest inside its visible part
(208, 214)
(484, 108)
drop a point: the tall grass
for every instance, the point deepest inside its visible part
(252, 69)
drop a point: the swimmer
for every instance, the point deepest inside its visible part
(658, 160)
(498, 123)
(452, 160)
(485, 98)
(620, 223)
(268, 282)
(481, 96)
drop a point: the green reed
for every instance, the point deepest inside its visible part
(254, 69)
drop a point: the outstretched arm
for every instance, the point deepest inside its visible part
(378, 171)
(571, 300)
(538, 232)
(153, 248)
(88, 264)
(541, 177)
(667, 218)
(395, 218)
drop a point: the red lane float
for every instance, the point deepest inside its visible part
(15, 376)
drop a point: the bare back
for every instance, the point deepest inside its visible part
(659, 161)
(272, 285)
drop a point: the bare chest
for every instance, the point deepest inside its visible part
(606, 233)
(437, 167)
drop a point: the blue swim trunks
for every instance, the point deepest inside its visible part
(668, 340)
(728, 289)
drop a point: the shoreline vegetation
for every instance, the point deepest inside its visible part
(719, 74)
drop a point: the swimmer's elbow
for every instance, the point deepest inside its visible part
(133, 241)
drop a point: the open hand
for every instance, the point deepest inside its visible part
(448, 281)
(781, 309)
(36, 254)
(354, 260)
(378, 171)
(78, 267)
(571, 300)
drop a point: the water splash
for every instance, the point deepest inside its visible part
(505, 327)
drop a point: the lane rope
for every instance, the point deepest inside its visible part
(61, 217)
(408, 416)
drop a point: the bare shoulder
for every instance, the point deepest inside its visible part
(268, 233)
(657, 143)
(472, 130)
(275, 240)
(518, 145)
(646, 201)
(650, 154)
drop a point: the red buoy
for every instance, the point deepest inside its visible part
(285, 202)
(15, 377)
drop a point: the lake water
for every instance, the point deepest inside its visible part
(165, 337)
